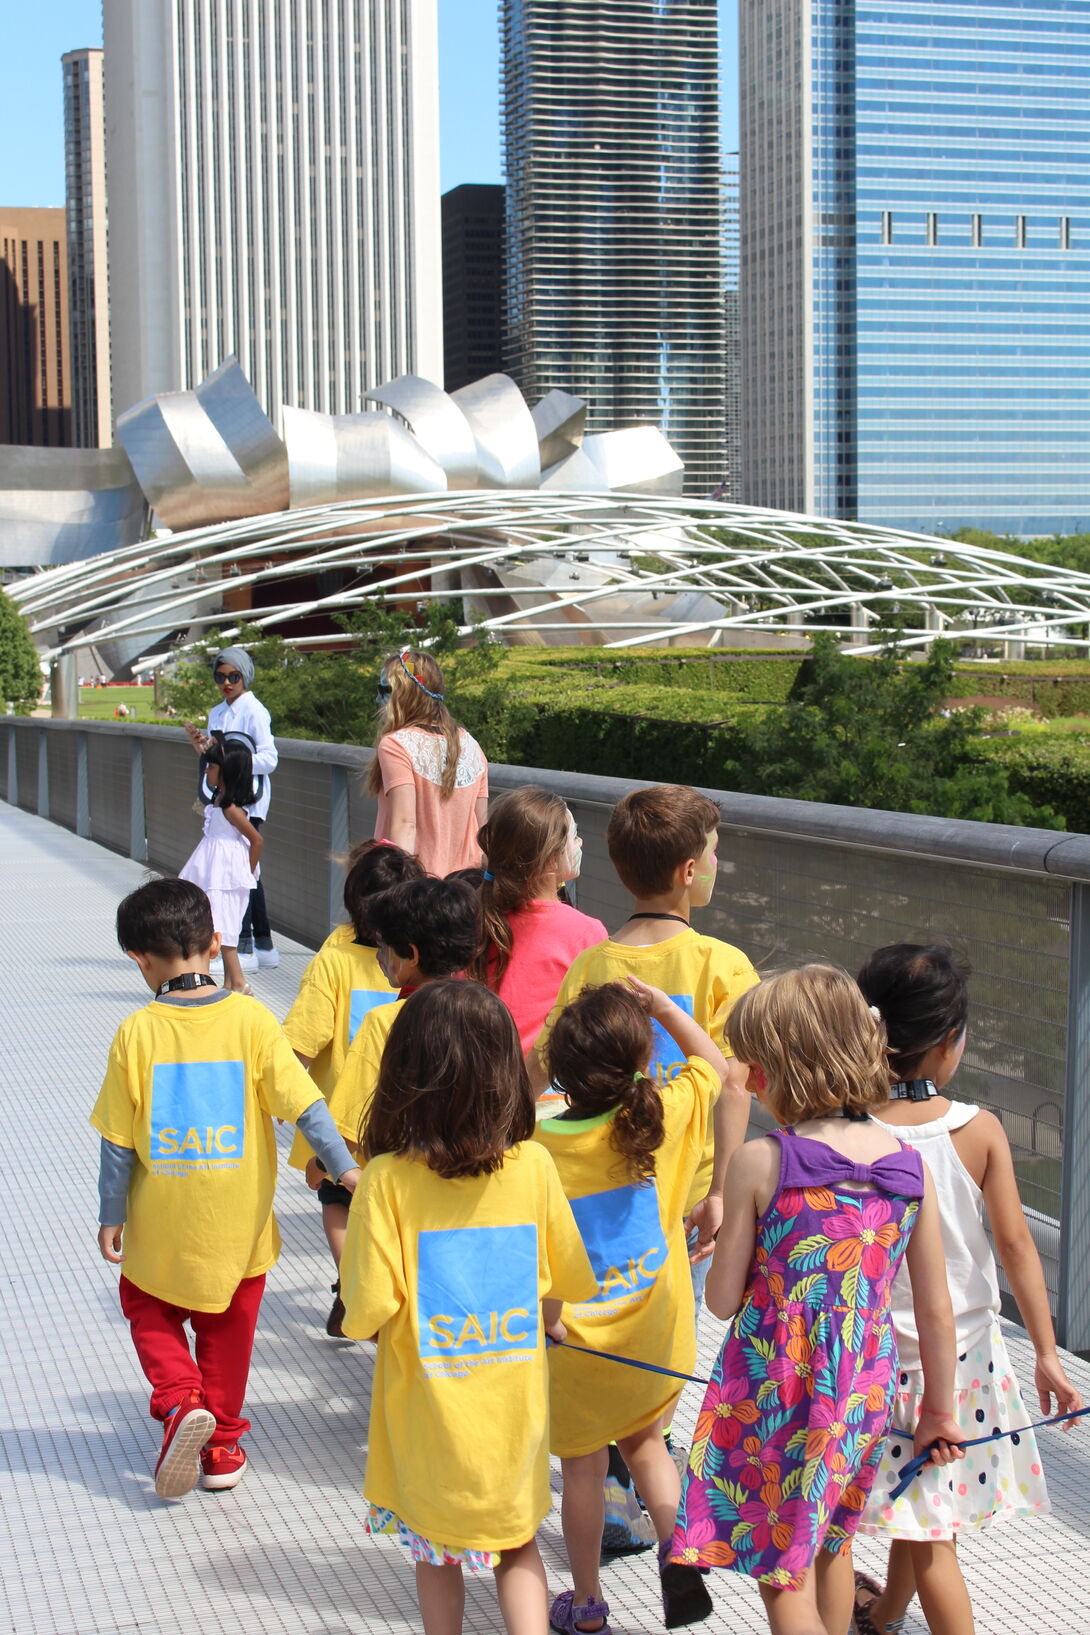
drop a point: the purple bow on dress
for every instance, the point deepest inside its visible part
(808, 1163)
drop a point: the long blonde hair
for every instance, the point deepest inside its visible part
(812, 1034)
(527, 830)
(416, 700)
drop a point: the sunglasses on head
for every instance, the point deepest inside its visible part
(227, 678)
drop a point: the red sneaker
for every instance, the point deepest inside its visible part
(187, 1429)
(222, 1467)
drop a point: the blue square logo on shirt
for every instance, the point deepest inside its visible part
(666, 1059)
(198, 1115)
(622, 1234)
(362, 1000)
(477, 1292)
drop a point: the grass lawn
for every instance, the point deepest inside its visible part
(99, 703)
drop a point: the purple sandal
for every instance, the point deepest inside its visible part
(565, 1617)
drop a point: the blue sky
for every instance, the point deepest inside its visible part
(36, 36)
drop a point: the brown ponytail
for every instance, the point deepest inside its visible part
(598, 1053)
(526, 832)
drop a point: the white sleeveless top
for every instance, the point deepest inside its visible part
(970, 1265)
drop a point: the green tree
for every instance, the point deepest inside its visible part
(331, 696)
(873, 732)
(20, 672)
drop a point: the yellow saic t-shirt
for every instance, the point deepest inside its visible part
(340, 985)
(355, 1087)
(702, 975)
(450, 1274)
(194, 1090)
(636, 1242)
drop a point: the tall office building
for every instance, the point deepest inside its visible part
(915, 280)
(732, 385)
(85, 209)
(472, 283)
(273, 171)
(35, 382)
(614, 198)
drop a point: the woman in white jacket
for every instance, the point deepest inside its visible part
(241, 712)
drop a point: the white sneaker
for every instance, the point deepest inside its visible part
(268, 958)
(249, 962)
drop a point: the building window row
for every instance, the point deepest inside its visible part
(1021, 227)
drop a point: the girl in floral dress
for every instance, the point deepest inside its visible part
(818, 1216)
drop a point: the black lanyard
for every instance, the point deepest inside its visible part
(187, 981)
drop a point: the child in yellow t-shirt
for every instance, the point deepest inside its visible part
(626, 1150)
(458, 1231)
(662, 842)
(187, 1174)
(423, 930)
(340, 985)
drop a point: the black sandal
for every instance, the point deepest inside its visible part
(336, 1314)
(685, 1598)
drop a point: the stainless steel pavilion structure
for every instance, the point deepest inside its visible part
(547, 535)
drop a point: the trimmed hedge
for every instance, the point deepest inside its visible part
(1050, 771)
(756, 679)
(766, 677)
(661, 733)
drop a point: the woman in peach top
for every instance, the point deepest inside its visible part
(430, 776)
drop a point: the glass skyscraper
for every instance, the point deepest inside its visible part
(915, 282)
(614, 210)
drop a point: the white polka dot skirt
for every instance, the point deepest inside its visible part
(992, 1483)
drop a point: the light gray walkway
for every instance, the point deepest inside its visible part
(85, 1546)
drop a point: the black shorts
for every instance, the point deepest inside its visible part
(330, 1193)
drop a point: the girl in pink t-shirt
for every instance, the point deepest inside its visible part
(430, 776)
(531, 848)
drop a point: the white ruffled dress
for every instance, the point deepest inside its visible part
(221, 867)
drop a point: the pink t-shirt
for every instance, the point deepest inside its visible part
(546, 937)
(446, 830)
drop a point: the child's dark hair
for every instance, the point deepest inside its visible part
(526, 831)
(441, 919)
(170, 918)
(598, 1052)
(652, 832)
(236, 764)
(473, 878)
(452, 1089)
(921, 991)
(374, 866)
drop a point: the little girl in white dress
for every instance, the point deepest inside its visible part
(225, 864)
(921, 996)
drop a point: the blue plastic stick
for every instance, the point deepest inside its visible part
(910, 1471)
(629, 1362)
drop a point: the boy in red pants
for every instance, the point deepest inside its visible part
(187, 1174)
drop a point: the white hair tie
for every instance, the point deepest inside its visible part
(875, 1012)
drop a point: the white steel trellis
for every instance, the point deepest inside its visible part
(626, 569)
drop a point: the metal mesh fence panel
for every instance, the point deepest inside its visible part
(170, 795)
(61, 752)
(785, 901)
(26, 750)
(295, 862)
(109, 781)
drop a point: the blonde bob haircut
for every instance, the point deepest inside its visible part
(416, 700)
(814, 1037)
